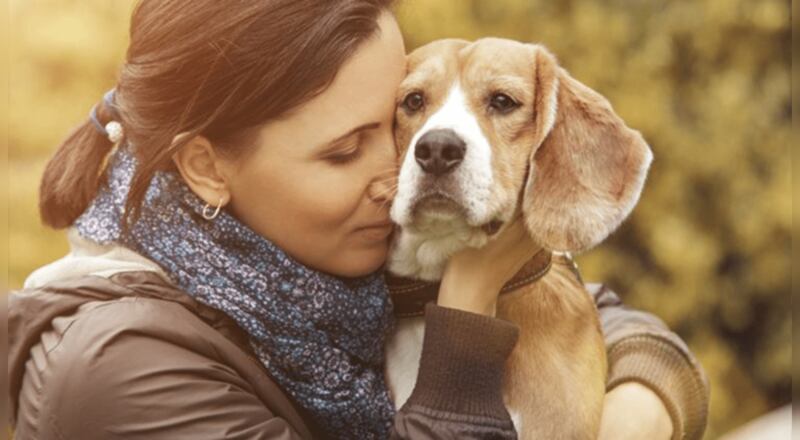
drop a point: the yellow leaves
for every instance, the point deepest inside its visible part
(30, 245)
(769, 268)
(768, 15)
(680, 247)
(64, 54)
(429, 18)
(734, 395)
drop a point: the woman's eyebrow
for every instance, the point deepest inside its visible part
(367, 126)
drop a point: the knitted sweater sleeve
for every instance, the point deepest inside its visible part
(641, 348)
(458, 393)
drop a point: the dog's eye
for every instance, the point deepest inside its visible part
(413, 102)
(502, 103)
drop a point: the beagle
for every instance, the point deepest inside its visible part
(488, 130)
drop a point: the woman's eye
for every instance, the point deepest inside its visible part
(346, 157)
(413, 102)
(503, 103)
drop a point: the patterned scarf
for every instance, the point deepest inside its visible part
(321, 338)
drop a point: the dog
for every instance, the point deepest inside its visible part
(486, 131)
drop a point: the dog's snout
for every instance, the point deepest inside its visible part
(439, 151)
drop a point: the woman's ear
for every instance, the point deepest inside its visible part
(203, 170)
(587, 168)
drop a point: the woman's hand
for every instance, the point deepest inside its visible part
(473, 277)
(631, 411)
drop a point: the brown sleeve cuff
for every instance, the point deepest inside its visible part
(463, 361)
(652, 360)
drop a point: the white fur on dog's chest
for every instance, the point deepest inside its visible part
(403, 354)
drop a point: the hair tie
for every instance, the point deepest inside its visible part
(113, 129)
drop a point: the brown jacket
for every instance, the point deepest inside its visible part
(124, 354)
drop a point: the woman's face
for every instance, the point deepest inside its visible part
(319, 181)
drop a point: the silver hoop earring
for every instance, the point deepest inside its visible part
(216, 211)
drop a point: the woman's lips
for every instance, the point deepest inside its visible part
(377, 231)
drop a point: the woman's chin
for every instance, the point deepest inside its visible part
(360, 262)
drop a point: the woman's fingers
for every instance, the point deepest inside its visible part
(512, 247)
(473, 277)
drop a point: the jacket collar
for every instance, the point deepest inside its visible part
(86, 258)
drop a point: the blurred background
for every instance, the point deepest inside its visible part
(707, 82)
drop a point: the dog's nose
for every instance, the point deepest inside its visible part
(439, 151)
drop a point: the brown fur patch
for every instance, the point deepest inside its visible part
(587, 171)
(555, 377)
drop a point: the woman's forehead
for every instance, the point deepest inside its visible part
(362, 92)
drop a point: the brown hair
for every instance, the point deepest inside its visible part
(206, 67)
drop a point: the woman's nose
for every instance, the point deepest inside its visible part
(383, 186)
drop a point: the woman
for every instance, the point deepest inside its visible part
(224, 279)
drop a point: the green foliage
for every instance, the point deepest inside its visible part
(707, 83)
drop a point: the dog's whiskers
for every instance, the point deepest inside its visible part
(387, 195)
(390, 192)
(391, 174)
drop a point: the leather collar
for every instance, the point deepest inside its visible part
(409, 296)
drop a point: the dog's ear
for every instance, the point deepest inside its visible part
(587, 168)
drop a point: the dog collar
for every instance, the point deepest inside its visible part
(409, 296)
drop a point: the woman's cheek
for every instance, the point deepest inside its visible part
(334, 195)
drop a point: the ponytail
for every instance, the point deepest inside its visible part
(74, 173)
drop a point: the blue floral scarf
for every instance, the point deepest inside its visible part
(321, 338)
